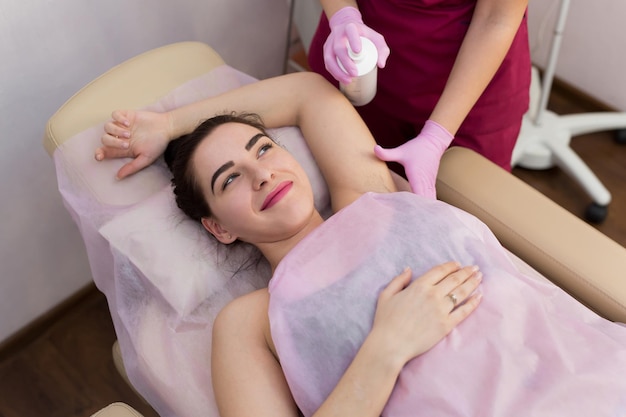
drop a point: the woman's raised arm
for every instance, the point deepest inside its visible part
(339, 140)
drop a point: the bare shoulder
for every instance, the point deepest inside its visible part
(249, 310)
(245, 317)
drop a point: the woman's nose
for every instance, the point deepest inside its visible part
(262, 177)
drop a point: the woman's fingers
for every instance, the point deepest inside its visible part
(139, 135)
(417, 315)
(130, 168)
(134, 166)
(459, 294)
(463, 311)
(103, 153)
(397, 284)
(439, 272)
(112, 147)
(451, 284)
(116, 142)
(122, 117)
(117, 129)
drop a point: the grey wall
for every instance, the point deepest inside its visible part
(49, 50)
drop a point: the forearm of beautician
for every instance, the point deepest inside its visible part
(488, 39)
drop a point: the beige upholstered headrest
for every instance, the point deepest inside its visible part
(176, 64)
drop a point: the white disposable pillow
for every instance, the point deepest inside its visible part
(177, 255)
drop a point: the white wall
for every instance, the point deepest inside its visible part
(49, 50)
(593, 52)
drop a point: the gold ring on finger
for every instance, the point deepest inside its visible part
(453, 298)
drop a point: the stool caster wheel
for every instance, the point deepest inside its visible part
(596, 213)
(620, 136)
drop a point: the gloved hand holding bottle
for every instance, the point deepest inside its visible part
(420, 157)
(347, 28)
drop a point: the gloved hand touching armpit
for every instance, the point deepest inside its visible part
(346, 27)
(420, 157)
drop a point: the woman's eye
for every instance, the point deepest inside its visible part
(264, 148)
(228, 180)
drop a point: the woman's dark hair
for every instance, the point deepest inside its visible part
(178, 156)
(189, 196)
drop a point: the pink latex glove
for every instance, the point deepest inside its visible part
(420, 157)
(347, 27)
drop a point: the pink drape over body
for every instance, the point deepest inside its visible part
(529, 349)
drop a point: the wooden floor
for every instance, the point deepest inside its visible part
(67, 370)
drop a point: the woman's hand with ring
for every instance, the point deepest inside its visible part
(412, 317)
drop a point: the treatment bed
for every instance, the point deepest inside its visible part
(162, 302)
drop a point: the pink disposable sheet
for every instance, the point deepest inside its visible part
(528, 350)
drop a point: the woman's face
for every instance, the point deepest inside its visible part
(256, 190)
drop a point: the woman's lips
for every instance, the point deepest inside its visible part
(277, 194)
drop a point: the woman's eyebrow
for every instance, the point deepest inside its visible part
(219, 171)
(254, 140)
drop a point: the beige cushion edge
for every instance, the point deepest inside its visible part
(118, 361)
(117, 410)
(568, 251)
(177, 63)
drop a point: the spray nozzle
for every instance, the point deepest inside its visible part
(355, 56)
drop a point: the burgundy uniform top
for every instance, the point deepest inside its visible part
(424, 37)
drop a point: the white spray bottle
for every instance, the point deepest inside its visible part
(362, 89)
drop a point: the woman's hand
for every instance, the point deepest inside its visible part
(412, 317)
(141, 135)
